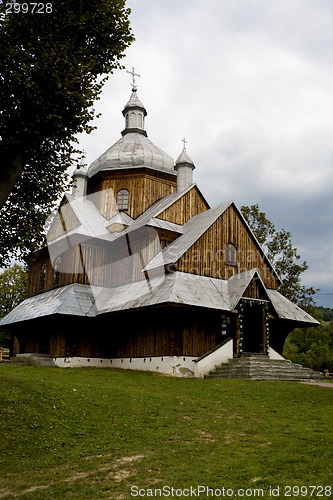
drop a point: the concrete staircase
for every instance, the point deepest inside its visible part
(31, 359)
(261, 367)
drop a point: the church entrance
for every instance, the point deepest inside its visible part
(252, 326)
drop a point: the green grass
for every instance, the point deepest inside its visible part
(94, 433)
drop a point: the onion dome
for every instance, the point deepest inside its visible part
(184, 167)
(134, 149)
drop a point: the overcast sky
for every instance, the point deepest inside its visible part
(249, 83)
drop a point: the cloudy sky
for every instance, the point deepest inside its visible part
(249, 83)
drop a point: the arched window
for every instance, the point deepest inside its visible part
(231, 254)
(56, 271)
(122, 199)
(140, 120)
(42, 278)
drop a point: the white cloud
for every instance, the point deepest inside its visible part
(249, 84)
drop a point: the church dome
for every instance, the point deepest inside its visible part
(134, 149)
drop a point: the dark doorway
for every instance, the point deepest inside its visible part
(253, 327)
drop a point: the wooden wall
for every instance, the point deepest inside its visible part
(255, 290)
(192, 203)
(207, 255)
(162, 331)
(145, 187)
(72, 268)
(113, 264)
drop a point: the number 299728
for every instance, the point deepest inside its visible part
(31, 7)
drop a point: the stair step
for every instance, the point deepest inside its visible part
(263, 368)
(32, 360)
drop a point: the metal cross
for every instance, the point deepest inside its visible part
(184, 141)
(133, 77)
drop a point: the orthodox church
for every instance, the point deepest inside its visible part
(140, 272)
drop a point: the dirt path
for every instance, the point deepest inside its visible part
(315, 382)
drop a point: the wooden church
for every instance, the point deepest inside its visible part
(140, 272)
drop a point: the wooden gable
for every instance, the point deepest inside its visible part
(207, 256)
(188, 205)
(255, 290)
(64, 221)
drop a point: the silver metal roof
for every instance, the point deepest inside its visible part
(90, 222)
(134, 149)
(287, 310)
(74, 299)
(173, 288)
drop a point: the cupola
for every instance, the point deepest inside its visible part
(80, 178)
(134, 113)
(184, 167)
(134, 149)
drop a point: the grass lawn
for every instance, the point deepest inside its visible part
(95, 433)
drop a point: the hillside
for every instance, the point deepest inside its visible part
(95, 433)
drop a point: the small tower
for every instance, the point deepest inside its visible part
(80, 178)
(184, 167)
(134, 112)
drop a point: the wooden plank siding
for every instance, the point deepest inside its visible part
(144, 186)
(164, 331)
(207, 255)
(255, 290)
(190, 204)
(119, 263)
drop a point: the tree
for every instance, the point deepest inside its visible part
(13, 286)
(52, 69)
(312, 347)
(283, 255)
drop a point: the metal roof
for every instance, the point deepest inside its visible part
(172, 288)
(91, 224)
(288, 310)
(74, 299)
(134, 149)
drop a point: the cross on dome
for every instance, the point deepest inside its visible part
(133, 77)
(185, 142)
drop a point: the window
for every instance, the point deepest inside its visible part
(42, 278)
(122, 199)
(56, 271)
(140, 120)
(230, 254)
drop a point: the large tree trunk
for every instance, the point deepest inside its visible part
(7, 184)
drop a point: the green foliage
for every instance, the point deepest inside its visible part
(93, 433)
(325, 312)
(53, 67)
(13, 286)
(283, 255)
(312, 347)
